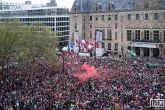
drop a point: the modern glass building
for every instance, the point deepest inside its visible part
(56, 18)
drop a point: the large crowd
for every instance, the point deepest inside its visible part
(127, 85)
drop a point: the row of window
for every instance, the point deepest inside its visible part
(138, 35)
(156, 16)
(146, 35)
(35, 12)
(102, 17)
(62, 28)
(41, 19)
(109, 46)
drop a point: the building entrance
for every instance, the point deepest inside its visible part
(155, 52)
(137, 50)
(146, 52)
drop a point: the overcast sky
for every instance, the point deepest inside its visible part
(67, 3)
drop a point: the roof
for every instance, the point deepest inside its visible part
(89, 5)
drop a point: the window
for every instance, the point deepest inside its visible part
(96, 18)
(146, 16)
(116, 47)
(109, 17)
(137, 34)
(116, 26)
(84, 18)
(129, 17)
(109, 46)
(129, 35)
(84, 26)
(146, 35)
(90, 34)
(116, 17)
(156, 36)
(97, 7)
(90, 18)
(164, 36)
(115, 35)
(102, 17)
(90, 25)
(109, 35)
(103, 34)
(137, 17)
(103, 45)
(75, 26)
(156, 16)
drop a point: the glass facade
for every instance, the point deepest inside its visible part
(55, 18)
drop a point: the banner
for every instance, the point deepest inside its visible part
(98, 39)
(76, 40)
(145, 45)
(99, 51)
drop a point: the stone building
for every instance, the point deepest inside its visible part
(136, 25)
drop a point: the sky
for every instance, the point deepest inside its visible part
(67, 3)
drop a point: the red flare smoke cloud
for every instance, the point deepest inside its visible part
(90, 72)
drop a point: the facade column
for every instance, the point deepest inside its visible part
(151, 52)
(133, 49)
(141, 52)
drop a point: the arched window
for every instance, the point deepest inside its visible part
(103, 45)
(109, 46)
(116, 46)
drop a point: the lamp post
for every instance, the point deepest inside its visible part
(63, 61)
(122, 49)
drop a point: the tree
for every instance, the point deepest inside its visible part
(29, 43)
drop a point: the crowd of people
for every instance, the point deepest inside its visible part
(127, 85)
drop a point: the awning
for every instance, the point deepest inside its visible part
(131, 52)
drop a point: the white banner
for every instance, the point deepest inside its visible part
(76, 40)
(84, 54)
(145, 45)
(99, 51)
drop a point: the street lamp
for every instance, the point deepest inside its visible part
(122, 49)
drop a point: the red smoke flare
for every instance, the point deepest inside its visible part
(90, 72)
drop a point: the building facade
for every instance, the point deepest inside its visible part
(56, 18)
(136, 25)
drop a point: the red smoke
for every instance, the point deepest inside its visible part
(90, 72)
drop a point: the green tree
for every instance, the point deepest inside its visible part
(29, 43)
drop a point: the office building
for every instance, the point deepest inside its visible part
(56, 18)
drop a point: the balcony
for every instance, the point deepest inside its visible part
(152, 41)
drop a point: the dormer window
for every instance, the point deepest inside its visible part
(109, 6)
(97, 7)
(76, 7)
